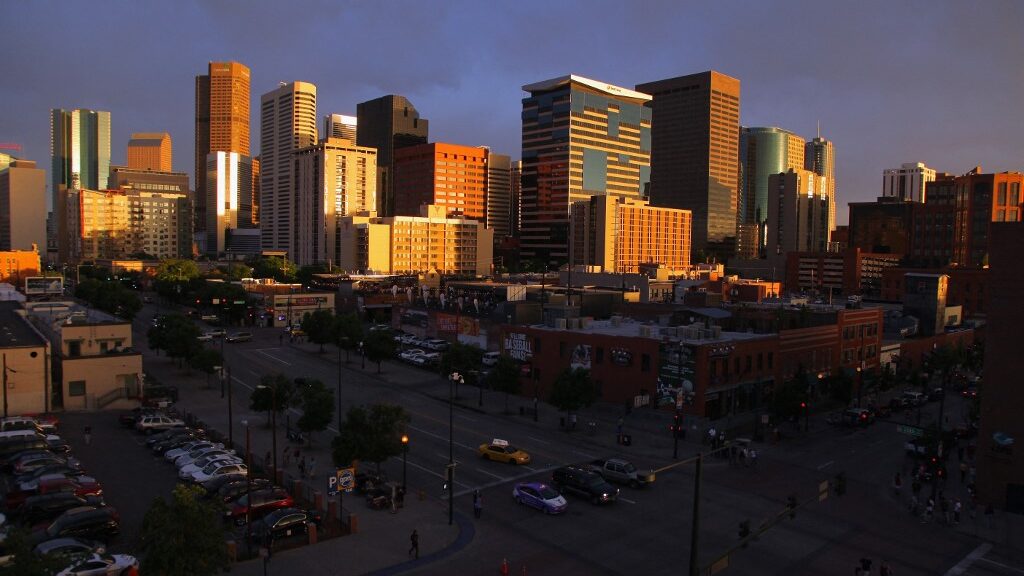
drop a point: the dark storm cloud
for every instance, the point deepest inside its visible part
(890, 82)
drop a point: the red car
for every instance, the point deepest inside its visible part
(48, 422)
(83, 486)
(263, 501)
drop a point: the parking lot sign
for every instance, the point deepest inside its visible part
(343, 480)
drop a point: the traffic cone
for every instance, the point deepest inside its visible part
(504, 567)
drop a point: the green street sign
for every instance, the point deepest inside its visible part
(910, 430)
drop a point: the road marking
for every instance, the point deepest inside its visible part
(441, 476)
(489, 474)
(621, 499)
(826, 464)
(585, 455)
(515, 478)
(256, 374)
(538, 440)
(528, 467)
(467, 418)
(439, 437)
(1001, 565)
(272, 357)
(239, 380)
(962, 566)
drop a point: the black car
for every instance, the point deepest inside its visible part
(584, 483)
(232, 490)
(935, 394)
(282, 524)
(171, 444)
(65, 469)
(45, 507)
(68, 547)
(171, 434)
(82, 522)
(214, 484)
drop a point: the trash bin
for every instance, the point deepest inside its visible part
(627, 440)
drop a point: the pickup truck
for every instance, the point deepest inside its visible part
(622, 471)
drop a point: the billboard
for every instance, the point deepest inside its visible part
(35, 285)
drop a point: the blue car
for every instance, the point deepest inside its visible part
(540, 496)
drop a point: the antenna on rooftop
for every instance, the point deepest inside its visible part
(819, 129)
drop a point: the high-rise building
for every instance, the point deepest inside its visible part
(229, 181)
(118, 224)
(797, 214)
(222, 122)
(907, 182)
(820, 158)
(22, 206)
(5, 160)
(581, 138)
(150, 151)
(499, 195)
(415, 244)
(340, 126)
(764, 151)
(882, 227)
(256, 192)
(158, 198)
(695, 153)
(335, 178)
(447, 175)
(388, 123)
(620, 234)
(287, 123)
(517, 197)
(80, 157)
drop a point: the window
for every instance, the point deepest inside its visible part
(75, 348)
(76, 388)
(760, 361)
(645, 363)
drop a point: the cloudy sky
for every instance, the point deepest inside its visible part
(890, 81)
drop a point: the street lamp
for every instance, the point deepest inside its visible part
(405, 451)
(362, 353)
(339, 388)
(452, 378)
(248, 483)
(273, 419)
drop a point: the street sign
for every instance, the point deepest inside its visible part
(910, 430)
(343, 480)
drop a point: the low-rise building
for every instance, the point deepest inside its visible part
(16, 265)
(286, 304)
(26, 363)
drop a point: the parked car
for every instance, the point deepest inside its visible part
(161, 448)
(30, 480)
(19, 423)
(911, 399)
(232, 490)
(69, 547)
(217, 469)
(212, 486)
(935, 394)
(410, 355)
(30, 463)
(222, 457)
(501, 451)
(84, 486)
(98, 564)
(970, 392)
(82, 522)
(622, 472)
(44, 507)
(172, 433)
(490, 358)
(48, 422)
(216, 333)
(257, 503)
(204, 337)
(436, 344)
(858, 417)
(283, 523)
(150, 424)
(240, 337)
(196, 454)
(539, 496)
(585, 483)
(174, 454)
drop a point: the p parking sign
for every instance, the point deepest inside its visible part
(342, 480)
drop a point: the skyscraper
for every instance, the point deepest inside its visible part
(820, 158)
(499, 195)
(22, 206)
(229, 179)
(222, 122)
(694, 153)
(517, 197)
(621, 234)
(907, 182)
(451, 176)
(763, 152)
(287, 123)
(797, 214)
(340, 126)
(581, 138)
(387, 124)
(335, 178)
(80, 150)
(150, 151)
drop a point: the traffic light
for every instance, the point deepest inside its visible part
(677, 425)
(791, 506)
(803, 405)
(840, 484)
(744, 529)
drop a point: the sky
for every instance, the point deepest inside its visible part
(889, 81)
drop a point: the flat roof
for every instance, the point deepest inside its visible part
(603, 87)
(627, 328)
(15, 331)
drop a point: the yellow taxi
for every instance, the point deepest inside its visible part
(500, 451)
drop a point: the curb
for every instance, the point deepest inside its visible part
(466, 534)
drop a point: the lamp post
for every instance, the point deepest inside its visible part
(231, 423)
(452, 378)
(405, 452)
(273, 425)
(6, 370)
(362, 353)
(339, 388)
(248, 482)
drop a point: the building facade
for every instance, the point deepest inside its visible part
(26, 363)
(882, 227)
(517, 197)
(448, 175)
(620, 235)
(580, 138)
(340, 126)
(287, 123)
(908, 182)
(820, 158)
(764, 151)
(16, 265)
(22, 206)
(221, 121)
(335, 178)
(150, 151)
(389, 123)
(80, 149)
(158, 199)
(695, 151)
(797, 214)
(845, 273)
(498, 196)
(415, 244)
(229, 183)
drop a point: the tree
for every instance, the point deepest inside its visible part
(225, 294)
(173, 276)
(348, 332)
(378, 347)
(504, 377)
(279, 269)
(237, 271)
(305, 274)
(206, 361)
(462, 358)
(317, 407)
(109, 296)
(372, 435)
(180, 337)
(572, 390)
(25, 561)
(184, 536)
(274, 390)
(319, 327)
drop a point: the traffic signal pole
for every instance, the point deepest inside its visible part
(695, 525)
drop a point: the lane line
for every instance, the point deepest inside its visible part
(962, 566)
(444, 438)
(441, 476)
(1001, 565)
(530, 468)
(466, 418)
(538, 440)
(495, 483)
(272, 357)
(256, 374)
(627, 500)
(481, 470)
(584, 455)
(826, 465)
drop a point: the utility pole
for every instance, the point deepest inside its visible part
(695, 526)
(231, 421)
(5, 383)
(451, 448)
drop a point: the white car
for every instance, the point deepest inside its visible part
(150, 424)
(427, 358)
(101, 565)
(218, 469)
(187, 471)
(172, 455)
(408, 339)
(490, 358)
(411, 355)
(436, 344)
(194, 455)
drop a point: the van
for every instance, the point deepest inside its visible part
(490, 358)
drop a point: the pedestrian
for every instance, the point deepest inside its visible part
(267, 460)
(957, 508)
(572, 421)
(752, 454)
(929, 510)
(744, 457)
(302, 467)
(963, 472)
(884, 569)
(414, 541)
(286, 456)
(312, 466)
(87, 434)
(280, 340)
(478, 504)
(296, 455)
(897, 484)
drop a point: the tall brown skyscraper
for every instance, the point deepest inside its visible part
(150, 151)
(695, 153)
(387, 124)
(222, 122)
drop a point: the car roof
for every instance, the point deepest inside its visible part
(534, 485)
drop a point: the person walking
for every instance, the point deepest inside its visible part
(302, 467)
(87, 435)
(957, 508)
(478, 504)
(414, 541)
(963, 471)
(752, 454)
(312, 466)
(286, 457)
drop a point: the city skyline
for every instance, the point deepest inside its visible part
(884, 98)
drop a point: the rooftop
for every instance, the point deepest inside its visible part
(629, 328)
(602, 87)
(15, 331)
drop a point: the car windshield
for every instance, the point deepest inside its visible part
(548, 493)
(593, 481)
(210, 467)
(628, 468)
